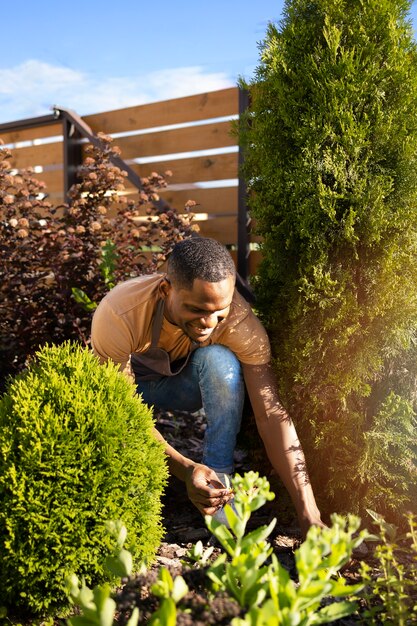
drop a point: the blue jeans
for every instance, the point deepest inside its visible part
(212, 380)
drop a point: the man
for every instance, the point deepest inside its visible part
(194, 342)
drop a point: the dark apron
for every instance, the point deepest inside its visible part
(154, 363)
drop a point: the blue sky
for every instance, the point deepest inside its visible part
(98, 55)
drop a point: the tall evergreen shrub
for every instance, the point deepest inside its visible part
(331, 164)
(76, 450)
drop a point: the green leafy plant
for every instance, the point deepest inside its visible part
(198, 554)
(268, 594)
(76, 449)
(392, 591)
(265, 588)
(330, 150)
(108, 263)
(107, 268)
(98, 606)
(170, 591)
(244, 575)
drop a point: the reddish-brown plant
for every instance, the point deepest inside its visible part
(47, 251)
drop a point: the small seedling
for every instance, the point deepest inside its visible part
(198, 554)
(97, 605)
(171, 591)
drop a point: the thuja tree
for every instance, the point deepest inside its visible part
(77, 451)
(88, 244)
(331, 147)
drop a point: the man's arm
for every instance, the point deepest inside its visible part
(281, 442)
(203, 487)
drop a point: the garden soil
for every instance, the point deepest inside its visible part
(185, 526)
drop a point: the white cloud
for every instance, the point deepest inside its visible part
(32, 88)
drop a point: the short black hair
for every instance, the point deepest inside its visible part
(199, 257)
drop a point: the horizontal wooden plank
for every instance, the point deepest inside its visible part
(252, 228)
(254, 259)
(216, 200)
(208, 105)
(189, 139)
(54, 181)
(220, 201)
(224, 229)
(55, 198)
(29, 134)
(191, 170)
(213, 201)
(45, 155)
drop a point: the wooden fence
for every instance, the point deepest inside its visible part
(191, 136)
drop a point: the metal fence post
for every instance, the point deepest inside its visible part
(243, 220)
(72, 154)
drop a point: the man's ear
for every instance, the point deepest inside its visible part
(165, 287)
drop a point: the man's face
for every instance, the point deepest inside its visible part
(198, 311)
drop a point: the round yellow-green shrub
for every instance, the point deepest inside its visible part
(76, 450)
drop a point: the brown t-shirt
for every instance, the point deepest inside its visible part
(122, 325)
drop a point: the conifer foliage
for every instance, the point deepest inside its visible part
(76, 452)
(331, 164)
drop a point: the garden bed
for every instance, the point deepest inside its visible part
(185, 526)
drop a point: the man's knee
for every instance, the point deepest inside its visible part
(220, 362)
(217, 355)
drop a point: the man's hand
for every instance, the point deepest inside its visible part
(281, 442)
(205, 490)
(306, 523)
